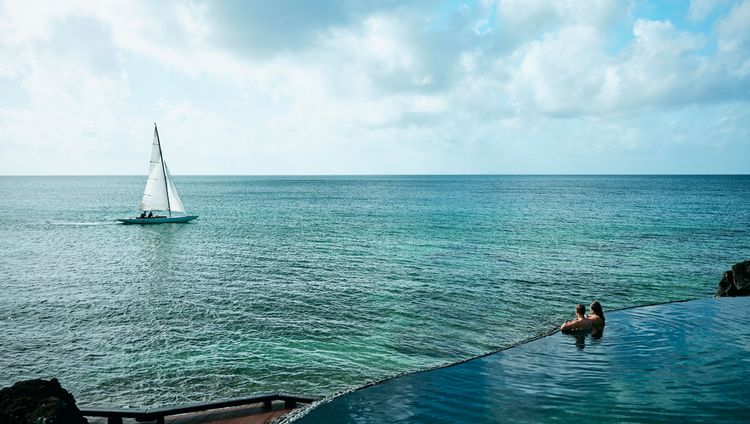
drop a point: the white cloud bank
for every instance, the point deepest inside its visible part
(342, 87)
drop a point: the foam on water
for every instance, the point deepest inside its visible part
(85, 223)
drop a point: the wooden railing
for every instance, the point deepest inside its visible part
(115, 416)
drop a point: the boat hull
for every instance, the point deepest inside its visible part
(165, 220)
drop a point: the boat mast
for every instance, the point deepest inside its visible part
(163, 169)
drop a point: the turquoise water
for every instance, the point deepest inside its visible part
(315, 284)
(674, 363)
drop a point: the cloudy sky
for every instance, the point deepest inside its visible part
(376, 87)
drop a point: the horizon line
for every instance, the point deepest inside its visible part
(394, 175)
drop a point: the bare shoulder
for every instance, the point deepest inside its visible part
(578, 324)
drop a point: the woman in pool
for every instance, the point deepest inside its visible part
(580, 324)
(597, 318)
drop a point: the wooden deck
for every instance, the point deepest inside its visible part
(262, 408)
(253, 414)
(249, 414)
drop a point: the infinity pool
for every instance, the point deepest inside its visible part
(666, 363)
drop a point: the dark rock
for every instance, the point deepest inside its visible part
(726, 285)
(38, 402)
(735, 282)
(742, 278)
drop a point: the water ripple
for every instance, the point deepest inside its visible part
(317, 284)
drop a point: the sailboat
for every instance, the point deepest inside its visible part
(160, 193)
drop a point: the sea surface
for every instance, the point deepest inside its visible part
(317, 284)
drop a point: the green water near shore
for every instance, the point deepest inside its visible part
(314, 284)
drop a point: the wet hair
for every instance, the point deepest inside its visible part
(596, 308)
(580, 309)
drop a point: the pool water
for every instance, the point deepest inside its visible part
(678, 362)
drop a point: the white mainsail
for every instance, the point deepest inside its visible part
(160, 193)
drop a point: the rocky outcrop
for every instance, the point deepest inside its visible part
(38, 402)
(735, 282)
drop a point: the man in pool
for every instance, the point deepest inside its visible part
(580, 324)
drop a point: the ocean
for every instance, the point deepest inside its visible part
(316, 284)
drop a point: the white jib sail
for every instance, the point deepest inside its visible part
(175, 203)
(160, 193)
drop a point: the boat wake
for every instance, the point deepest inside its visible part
(83, 224)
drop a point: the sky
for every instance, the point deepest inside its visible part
(375, 87)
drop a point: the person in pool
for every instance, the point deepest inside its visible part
(580, 324)
(597, 318)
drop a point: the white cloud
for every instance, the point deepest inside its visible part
(568, 71)
(526, 19)
(561, 73)
(661, 66)
(734, 30)
(699, 10)
(77, 93)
